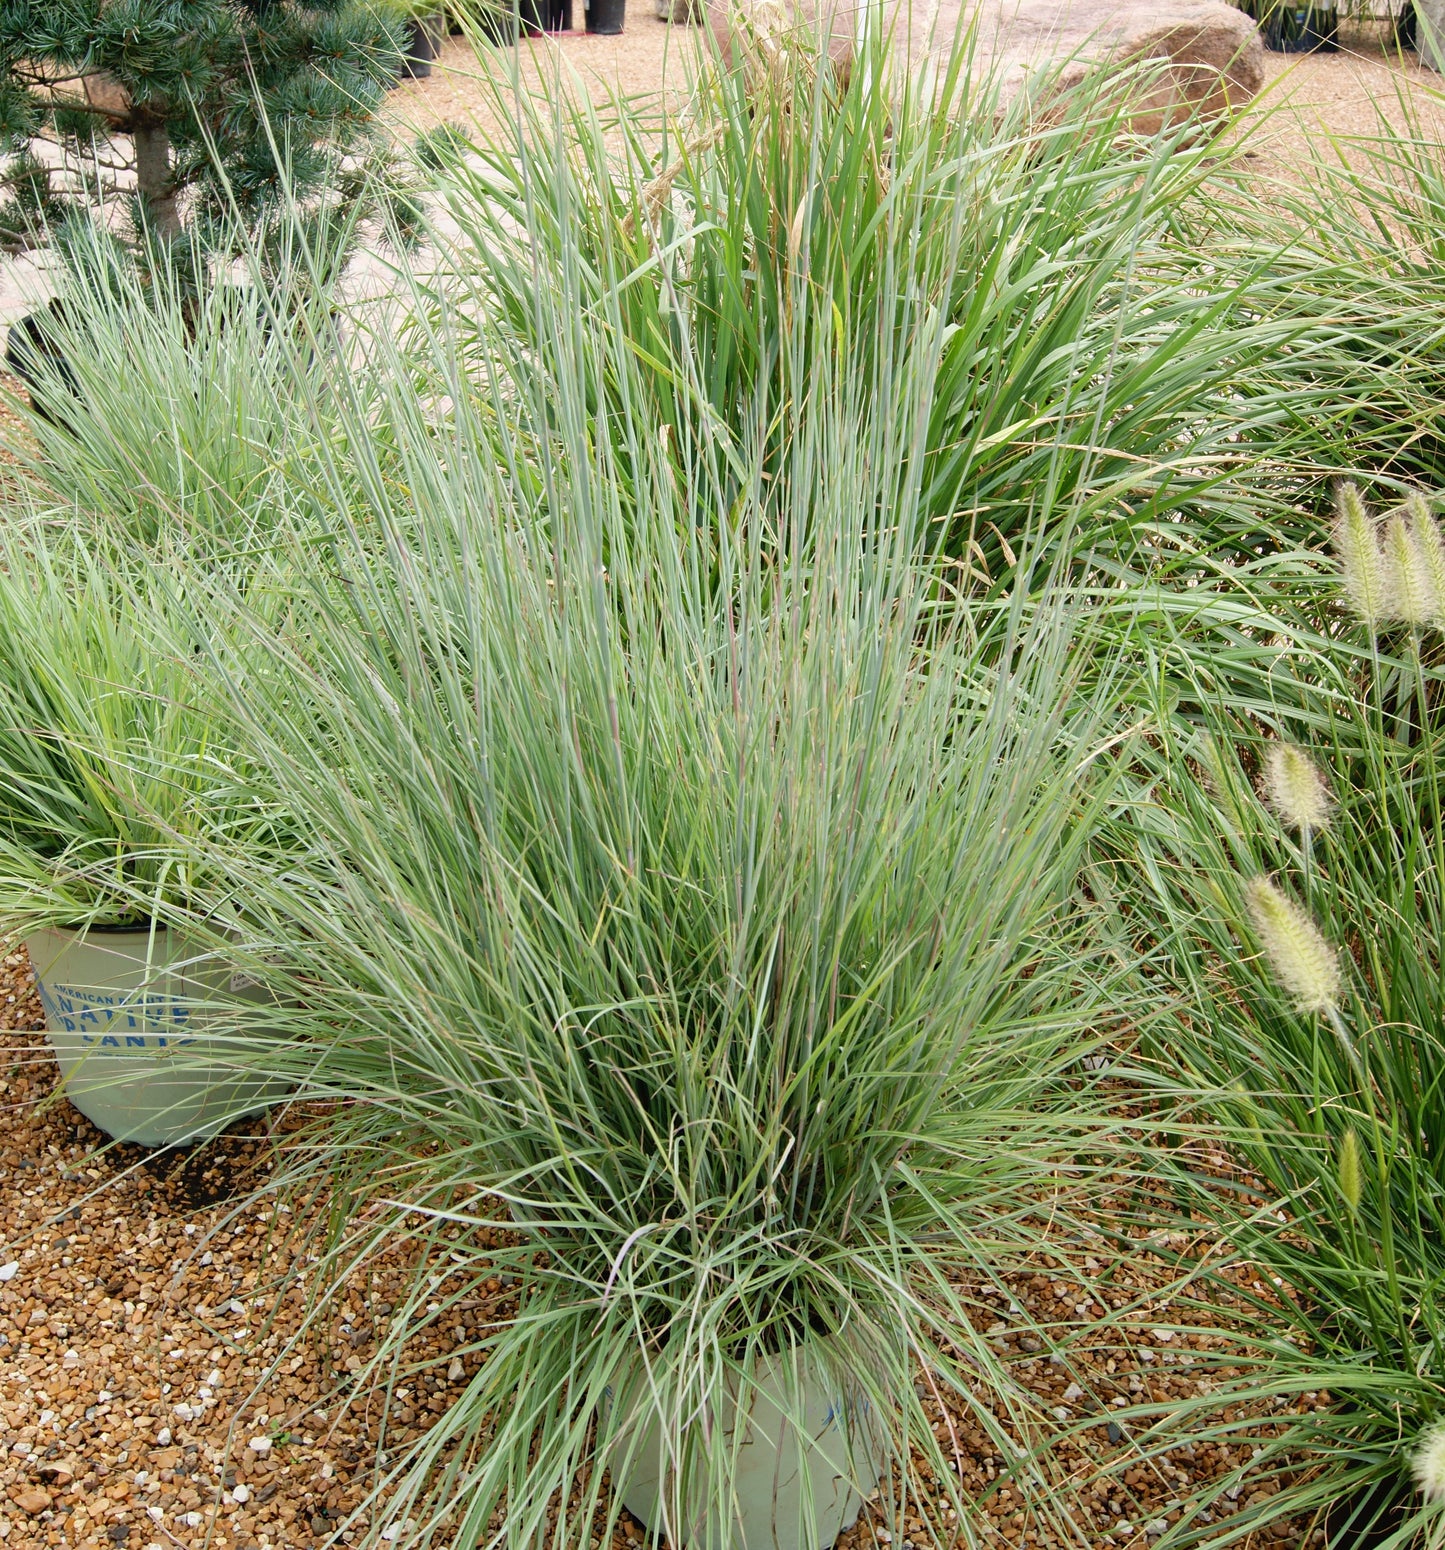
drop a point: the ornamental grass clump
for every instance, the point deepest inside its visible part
(112, 753)
(1090, 358)
(678, 915)
(1303, 937)
(169, 420)
(113, 759)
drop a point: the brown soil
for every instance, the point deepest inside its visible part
(648, 66)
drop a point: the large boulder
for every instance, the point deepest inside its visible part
(1210, 55)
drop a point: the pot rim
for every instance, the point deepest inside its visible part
(113, 928)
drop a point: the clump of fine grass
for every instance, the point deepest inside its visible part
(112, 747)
(1303, 938)
(1089, 358)
(677, 897)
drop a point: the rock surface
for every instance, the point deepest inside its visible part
(1212, 51)
(1430, 32)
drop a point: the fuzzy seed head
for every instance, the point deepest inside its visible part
(1295, 789)
(1425, 530)
(1305, 965)
(1429, 1462)
(1352, 1185)
(1358, 551)
(1409, 591)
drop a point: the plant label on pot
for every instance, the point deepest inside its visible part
(126, 1013)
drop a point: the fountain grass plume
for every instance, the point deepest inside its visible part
(1357, 548)
(1429, 1462)
(1409, 582)
(1425, 531)
(1295, 788)
(1305, 964)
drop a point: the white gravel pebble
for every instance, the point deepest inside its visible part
(261, 1445)
(242, 1493)
(10, 1271)
(163, 1437)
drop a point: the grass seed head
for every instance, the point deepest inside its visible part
(1351, 1179)
(1429, 1463)
(1358, 551)
(1425, 530)
(1302, 960)
(1295, 789)
(1409, 587)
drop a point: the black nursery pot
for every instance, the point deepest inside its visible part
(425, 37)
(604, 17)
(502, 23)
(1301, 29)
(32, 354)
(1368, 1519)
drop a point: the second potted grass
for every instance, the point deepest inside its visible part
(106, 764)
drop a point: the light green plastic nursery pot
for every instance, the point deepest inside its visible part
(797, 1484)
(126, 1014)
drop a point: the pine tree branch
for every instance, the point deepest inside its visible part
(30, 76)
(50, 85)
(120, 120)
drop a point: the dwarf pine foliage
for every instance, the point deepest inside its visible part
(214, 105)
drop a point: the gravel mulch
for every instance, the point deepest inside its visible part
(155, 1392)
(649, 65)
(141, 1399)
(1311, 98)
